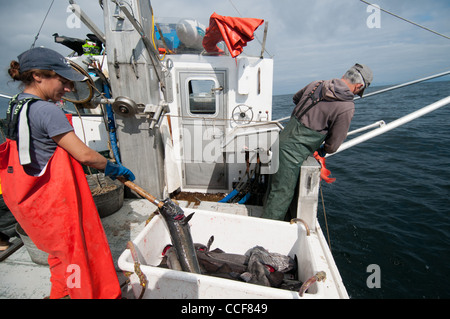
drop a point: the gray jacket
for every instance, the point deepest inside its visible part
(332, 115)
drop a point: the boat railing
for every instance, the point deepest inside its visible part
(368, 127)
(382, 126)
(308, 193)
(390, 126)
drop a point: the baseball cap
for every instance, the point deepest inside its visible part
(366, 74)
(47, 59)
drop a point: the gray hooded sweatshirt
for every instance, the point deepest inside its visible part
(332, 115)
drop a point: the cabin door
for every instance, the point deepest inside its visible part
(202, 129)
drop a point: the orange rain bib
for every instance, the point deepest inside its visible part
(58, 213)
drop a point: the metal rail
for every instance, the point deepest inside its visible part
(388, 89)
(404, 84)
(401, 121)
(368, 127)
(5, 96)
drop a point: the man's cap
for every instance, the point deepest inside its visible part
(366, 74)
(47, 59)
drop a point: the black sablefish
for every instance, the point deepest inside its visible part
(177, 223)
(180, 234)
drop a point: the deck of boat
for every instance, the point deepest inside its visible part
(21, 278)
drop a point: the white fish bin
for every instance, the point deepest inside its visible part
(233, 234)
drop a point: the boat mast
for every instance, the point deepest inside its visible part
(137, 83)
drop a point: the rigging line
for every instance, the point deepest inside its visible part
(231, 2)
(218, 119)
(257, 38)
(325, 217)
(45, 18)
(409, 21)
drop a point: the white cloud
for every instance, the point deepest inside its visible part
(310, 39)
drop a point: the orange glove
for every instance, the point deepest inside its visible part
(324, 172)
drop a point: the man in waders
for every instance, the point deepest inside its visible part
(323, 112)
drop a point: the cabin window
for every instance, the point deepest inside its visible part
(202, 97)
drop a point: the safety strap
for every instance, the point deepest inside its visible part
(314, 101)
(16, 128)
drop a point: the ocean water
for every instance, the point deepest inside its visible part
(390, 204)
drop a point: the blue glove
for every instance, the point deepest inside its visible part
(321, 151)
(113, 170)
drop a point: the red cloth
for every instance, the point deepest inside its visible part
(235, 32)
(58, 213)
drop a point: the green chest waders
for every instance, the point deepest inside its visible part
(297, 142)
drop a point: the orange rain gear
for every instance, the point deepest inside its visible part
(58, 213)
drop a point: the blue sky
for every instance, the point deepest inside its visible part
(309, 39)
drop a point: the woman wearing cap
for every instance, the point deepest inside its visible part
(44, 184)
